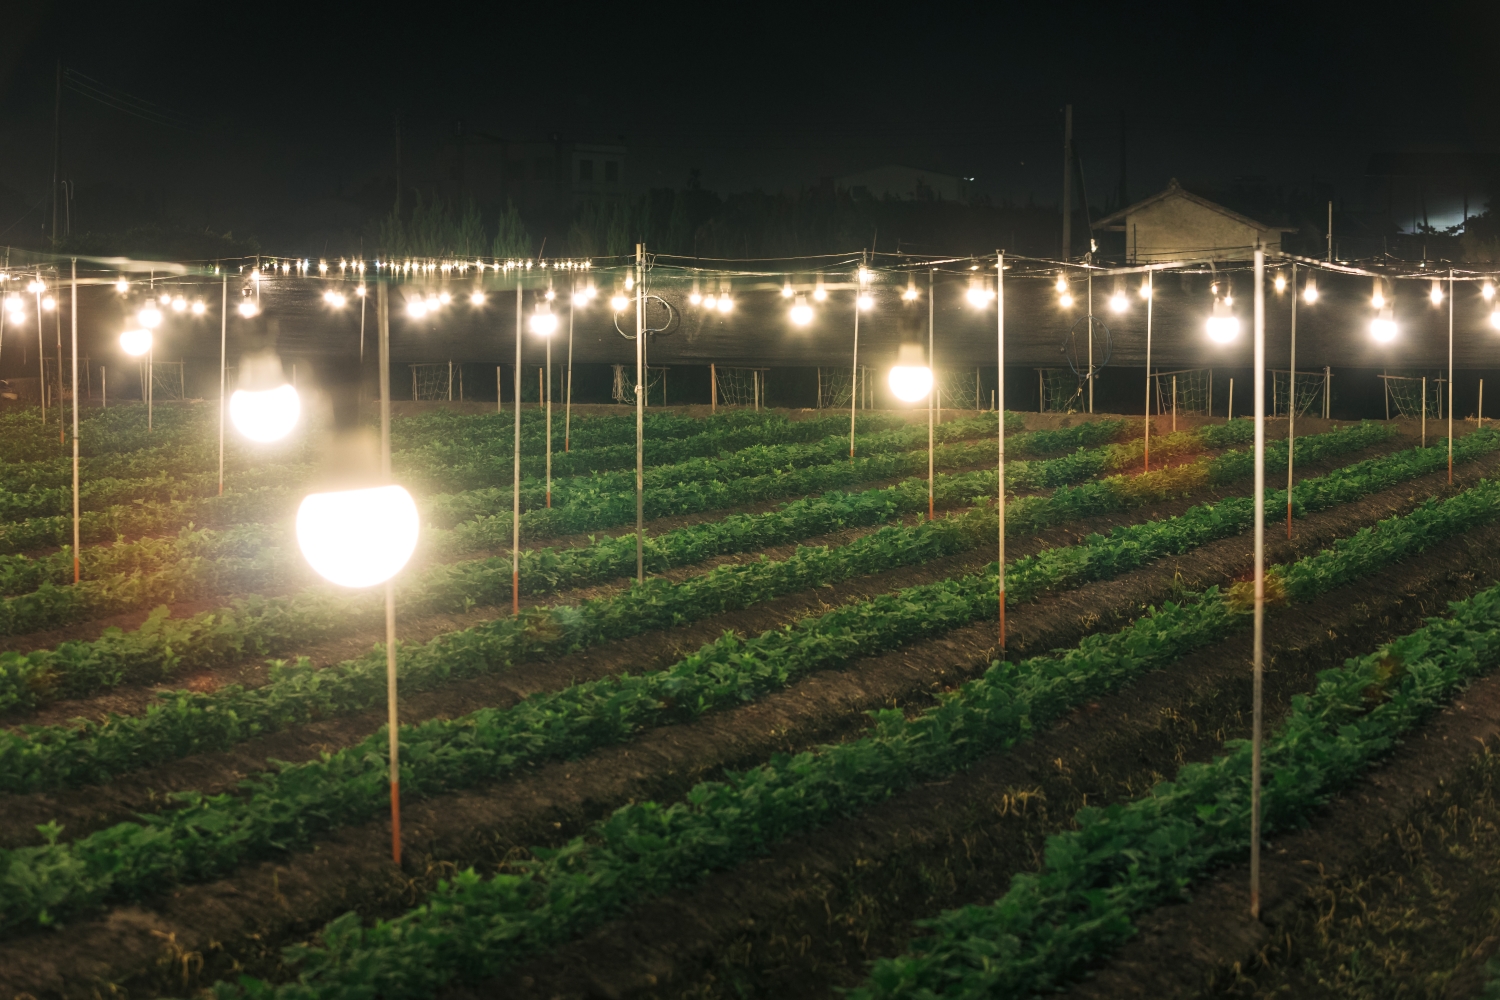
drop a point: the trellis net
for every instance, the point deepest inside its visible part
(432, 381)
(623, 390)
(1061, 390)
(959, 388)
(836, 386)
(167, 380)
(1193, 389)
(1309, 390)
(1404, 392)
(60, 386)
(746, 386)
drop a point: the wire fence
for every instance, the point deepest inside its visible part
(432, 381)
(960, 388)
(1188, 391)
(1407, 394)
(1059, 390)
(1311, 388)
(623, 390)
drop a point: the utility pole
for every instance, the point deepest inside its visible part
(1330, 230)
(56, 150)
(1067, 206)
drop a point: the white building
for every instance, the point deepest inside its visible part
(1175, 224)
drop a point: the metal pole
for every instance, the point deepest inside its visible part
(393, 727)
(76, 573)
(1230, 412)
(515, 525)
(362, 299)
(932, 368)
(640, 414)
(1450, 376)
(1424, 411)
(1481, 403)
(1174, 404)
(57, 323)
(1146, 448)
(1067, 220)
(713, 389)
(1260, 577)
(1327, 391)
(854, 385)
(41, 352)
(568, 393)
(223, 356)
(1089, 285)
(1291, 411)
(1000, 412)
(549, 421)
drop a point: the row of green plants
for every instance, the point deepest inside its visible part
(25, 438)
(472, 928)
(189, 722)
(289, 808)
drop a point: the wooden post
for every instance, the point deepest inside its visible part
(1174, 403)
(1424, 411)
(393, 728)
(1146, 439)
(1481, 402)
(713, 388)
(1258, 646)
(1230, 411)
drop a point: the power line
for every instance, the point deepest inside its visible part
(136, 107)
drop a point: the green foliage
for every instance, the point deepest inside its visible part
(511, 238)
(1118, 862)
(434, 228)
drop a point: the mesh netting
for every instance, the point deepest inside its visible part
(61, 387)
(623, 390)
(959, 387)
(745, 386)
(167, 380)
(836, 386)
(1062, 391)
(432, 381)
(1404, 392)
(1309, 391)
(1193, 389)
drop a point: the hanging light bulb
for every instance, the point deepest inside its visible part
(49, 303)
(1436, 295)
(911, 293)
(865, 301)
(36, 286)
(1377, 298)
(1383, 326)
(179, 304)
(135, 342)
(149, 317)
(1310, 291)
(166, 300)
(629, 281)
(122, 286)
(619, 303)
(1065, 300)
(1118, 301)
(801, 313)
(335, 299)
(696, 298)
(199, 308)
(977, 295)
(819, 292)
(544, 320)
(1223, 325)
(416, 307)
(710, 303)
(358, 538)
(1145, 290)
(1280, 282)
(1495, 319)
(1487, 290)
(786, 290)
(444, 298)
(265, 407)
(476, 298)
(910, 379)
(1062, 285)
(726, 304)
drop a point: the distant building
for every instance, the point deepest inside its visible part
(906, 184)
(540, 175)
(1176, 223)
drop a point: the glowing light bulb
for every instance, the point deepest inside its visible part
(149, 317)
(1378, 300)
(801, 313)
(726, 304)
(476, 298)
(544, 322)
(36, 285)
(1065, 300)
(710, 303)
(135, 342)
(1487, 290)
(820, 293)
(551, 295)
(1436, 295)
(265, 415)
(910, 295)
(1118, 302)
(629, 282)
(444, 298)
(1382, 330)
(619, 303)
(977, 296)
(1280, 282)
(786, 291)
(179, 304)
(1495, 319)
(199, 308)
(864, 275)
(1310, 293)
(1223, 329)
(865, 301)
(695, 298)
(910, 379)
(1062, 285)
(248, 308)
(122, 286)
(1145, 290)
(358, 538)
(49, 303)
(166, 300)
(416, 308)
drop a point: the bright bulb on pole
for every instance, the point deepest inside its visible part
(911, 383)
(801, 313)
(149, 317)
(865, 301)
(1310, 293)
(358, 538)
(135, 342)
(268, 415)
(1436, 295)
(1118, 302)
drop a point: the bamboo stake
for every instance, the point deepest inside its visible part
(515, 523)
(1000, 412)
(74, 313)
(1260, 578)
(393, 726)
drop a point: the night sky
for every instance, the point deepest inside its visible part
(291, 108)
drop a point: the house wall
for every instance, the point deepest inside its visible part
(1176, 227)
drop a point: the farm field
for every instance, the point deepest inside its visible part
(789, 764)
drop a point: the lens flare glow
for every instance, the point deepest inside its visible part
(1436, 295)
(619, 303)
(149, 317)
(801, 313)
(477, 298)
(1065, 300)
(1118, 302)
(1223, 329)
(135, 342)
(264, 416)
(865, 301)
(1310, 293)
(199, 308)
(416, 308)
(122, 286)
(910, 383)
(358, 538)
(1382, 329)
(248, 309)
